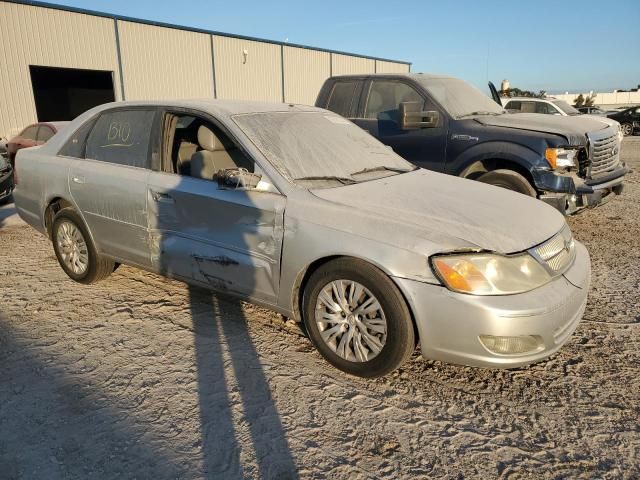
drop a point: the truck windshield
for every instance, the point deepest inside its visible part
(459, 98)
(319, 147)
(566, 108)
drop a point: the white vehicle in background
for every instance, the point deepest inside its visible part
(550, 106)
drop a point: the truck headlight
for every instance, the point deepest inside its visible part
(489, 274)
(561, 157)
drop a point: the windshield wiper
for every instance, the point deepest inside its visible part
(343, 180)
(383, 168)
(479, 112)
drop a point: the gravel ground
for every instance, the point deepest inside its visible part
(144, 377)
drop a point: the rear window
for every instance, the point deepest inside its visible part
(122, 137)
(30, 132)
(44, 134)
(342, 99)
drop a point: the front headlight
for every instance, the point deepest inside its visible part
(561, 157)
(489, 274)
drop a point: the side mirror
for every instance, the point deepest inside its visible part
(412, 117)
(238, 179)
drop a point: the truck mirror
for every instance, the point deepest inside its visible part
(412, 117)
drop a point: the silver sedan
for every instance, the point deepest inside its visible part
(299, 210)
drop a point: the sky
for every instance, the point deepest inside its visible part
(556, 46)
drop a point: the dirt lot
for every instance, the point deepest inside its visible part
(143, 377)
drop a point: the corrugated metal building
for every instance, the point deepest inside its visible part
(59, 61)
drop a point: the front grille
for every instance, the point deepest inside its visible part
(557, 253)
(604, 153)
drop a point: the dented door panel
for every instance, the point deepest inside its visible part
(228, 239)
(112, 200)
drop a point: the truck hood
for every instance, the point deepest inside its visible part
(433, 212)
(573, 129)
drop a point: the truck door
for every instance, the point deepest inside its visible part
(424, 147)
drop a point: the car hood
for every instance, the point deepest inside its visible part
(433, 212)
(573, 129)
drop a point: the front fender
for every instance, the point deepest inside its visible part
(521, 155)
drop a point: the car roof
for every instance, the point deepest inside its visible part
(532, 99)
(418, 77)
(216, 107)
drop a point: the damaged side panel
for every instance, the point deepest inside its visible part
(228, 239)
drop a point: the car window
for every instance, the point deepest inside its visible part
(75, 146)
(385, 97)
(30, 133)
(528, 107)
(342, 99)
(122, 137)
(546, 108)
(45, 133)
(513, 105)
(184, 154)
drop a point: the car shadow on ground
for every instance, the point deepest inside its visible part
(234, 397)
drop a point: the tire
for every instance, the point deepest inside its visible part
(627, 129)
(394, 346)
(68, 226)
(510, 180)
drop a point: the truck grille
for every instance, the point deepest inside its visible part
(557, 253)
(604, 154)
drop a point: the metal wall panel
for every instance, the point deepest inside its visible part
(345, 64)
(256, 75)
(304, 73)
(163, 63)
(391, 67)
(32, 35)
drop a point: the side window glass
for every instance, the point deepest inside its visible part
(528, 107)
(342, 98)
(122, 137)
(195, 147)
(76, 143)
(514, 105)
(30, 133)
(385, 98)
(44, 134)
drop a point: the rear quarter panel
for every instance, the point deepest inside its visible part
(41, 178)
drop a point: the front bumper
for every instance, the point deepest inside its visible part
(450, 324)
(569, 193)
(6, 183)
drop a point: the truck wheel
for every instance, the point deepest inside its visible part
(627, 129)
(75, 251)
(357, 318)
(510, 180)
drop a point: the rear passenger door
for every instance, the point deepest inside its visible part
(109, 183)
(424, 147)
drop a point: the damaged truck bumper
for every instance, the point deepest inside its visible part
(499, 331)
(569, 193)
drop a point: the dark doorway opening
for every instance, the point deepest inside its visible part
(65, 93)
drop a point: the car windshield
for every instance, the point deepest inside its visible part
(459, 98)
(319, 148)
(566, 108)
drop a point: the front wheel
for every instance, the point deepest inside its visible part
(357, 318)
(510, 180)
(75, 250)
(627, 129)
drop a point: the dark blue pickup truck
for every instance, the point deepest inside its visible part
(446, 125)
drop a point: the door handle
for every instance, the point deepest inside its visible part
(77, 179)
(161, 197)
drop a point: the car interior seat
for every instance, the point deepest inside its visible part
(215, 155)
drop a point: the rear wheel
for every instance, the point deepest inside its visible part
(510, 180)
(357, 318)
(75, 251)
(627, 129)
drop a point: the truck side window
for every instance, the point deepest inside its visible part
(343, 98)
(385, 97)
(542, 107)
(528, 107)
(514, 105)
(122, 137)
